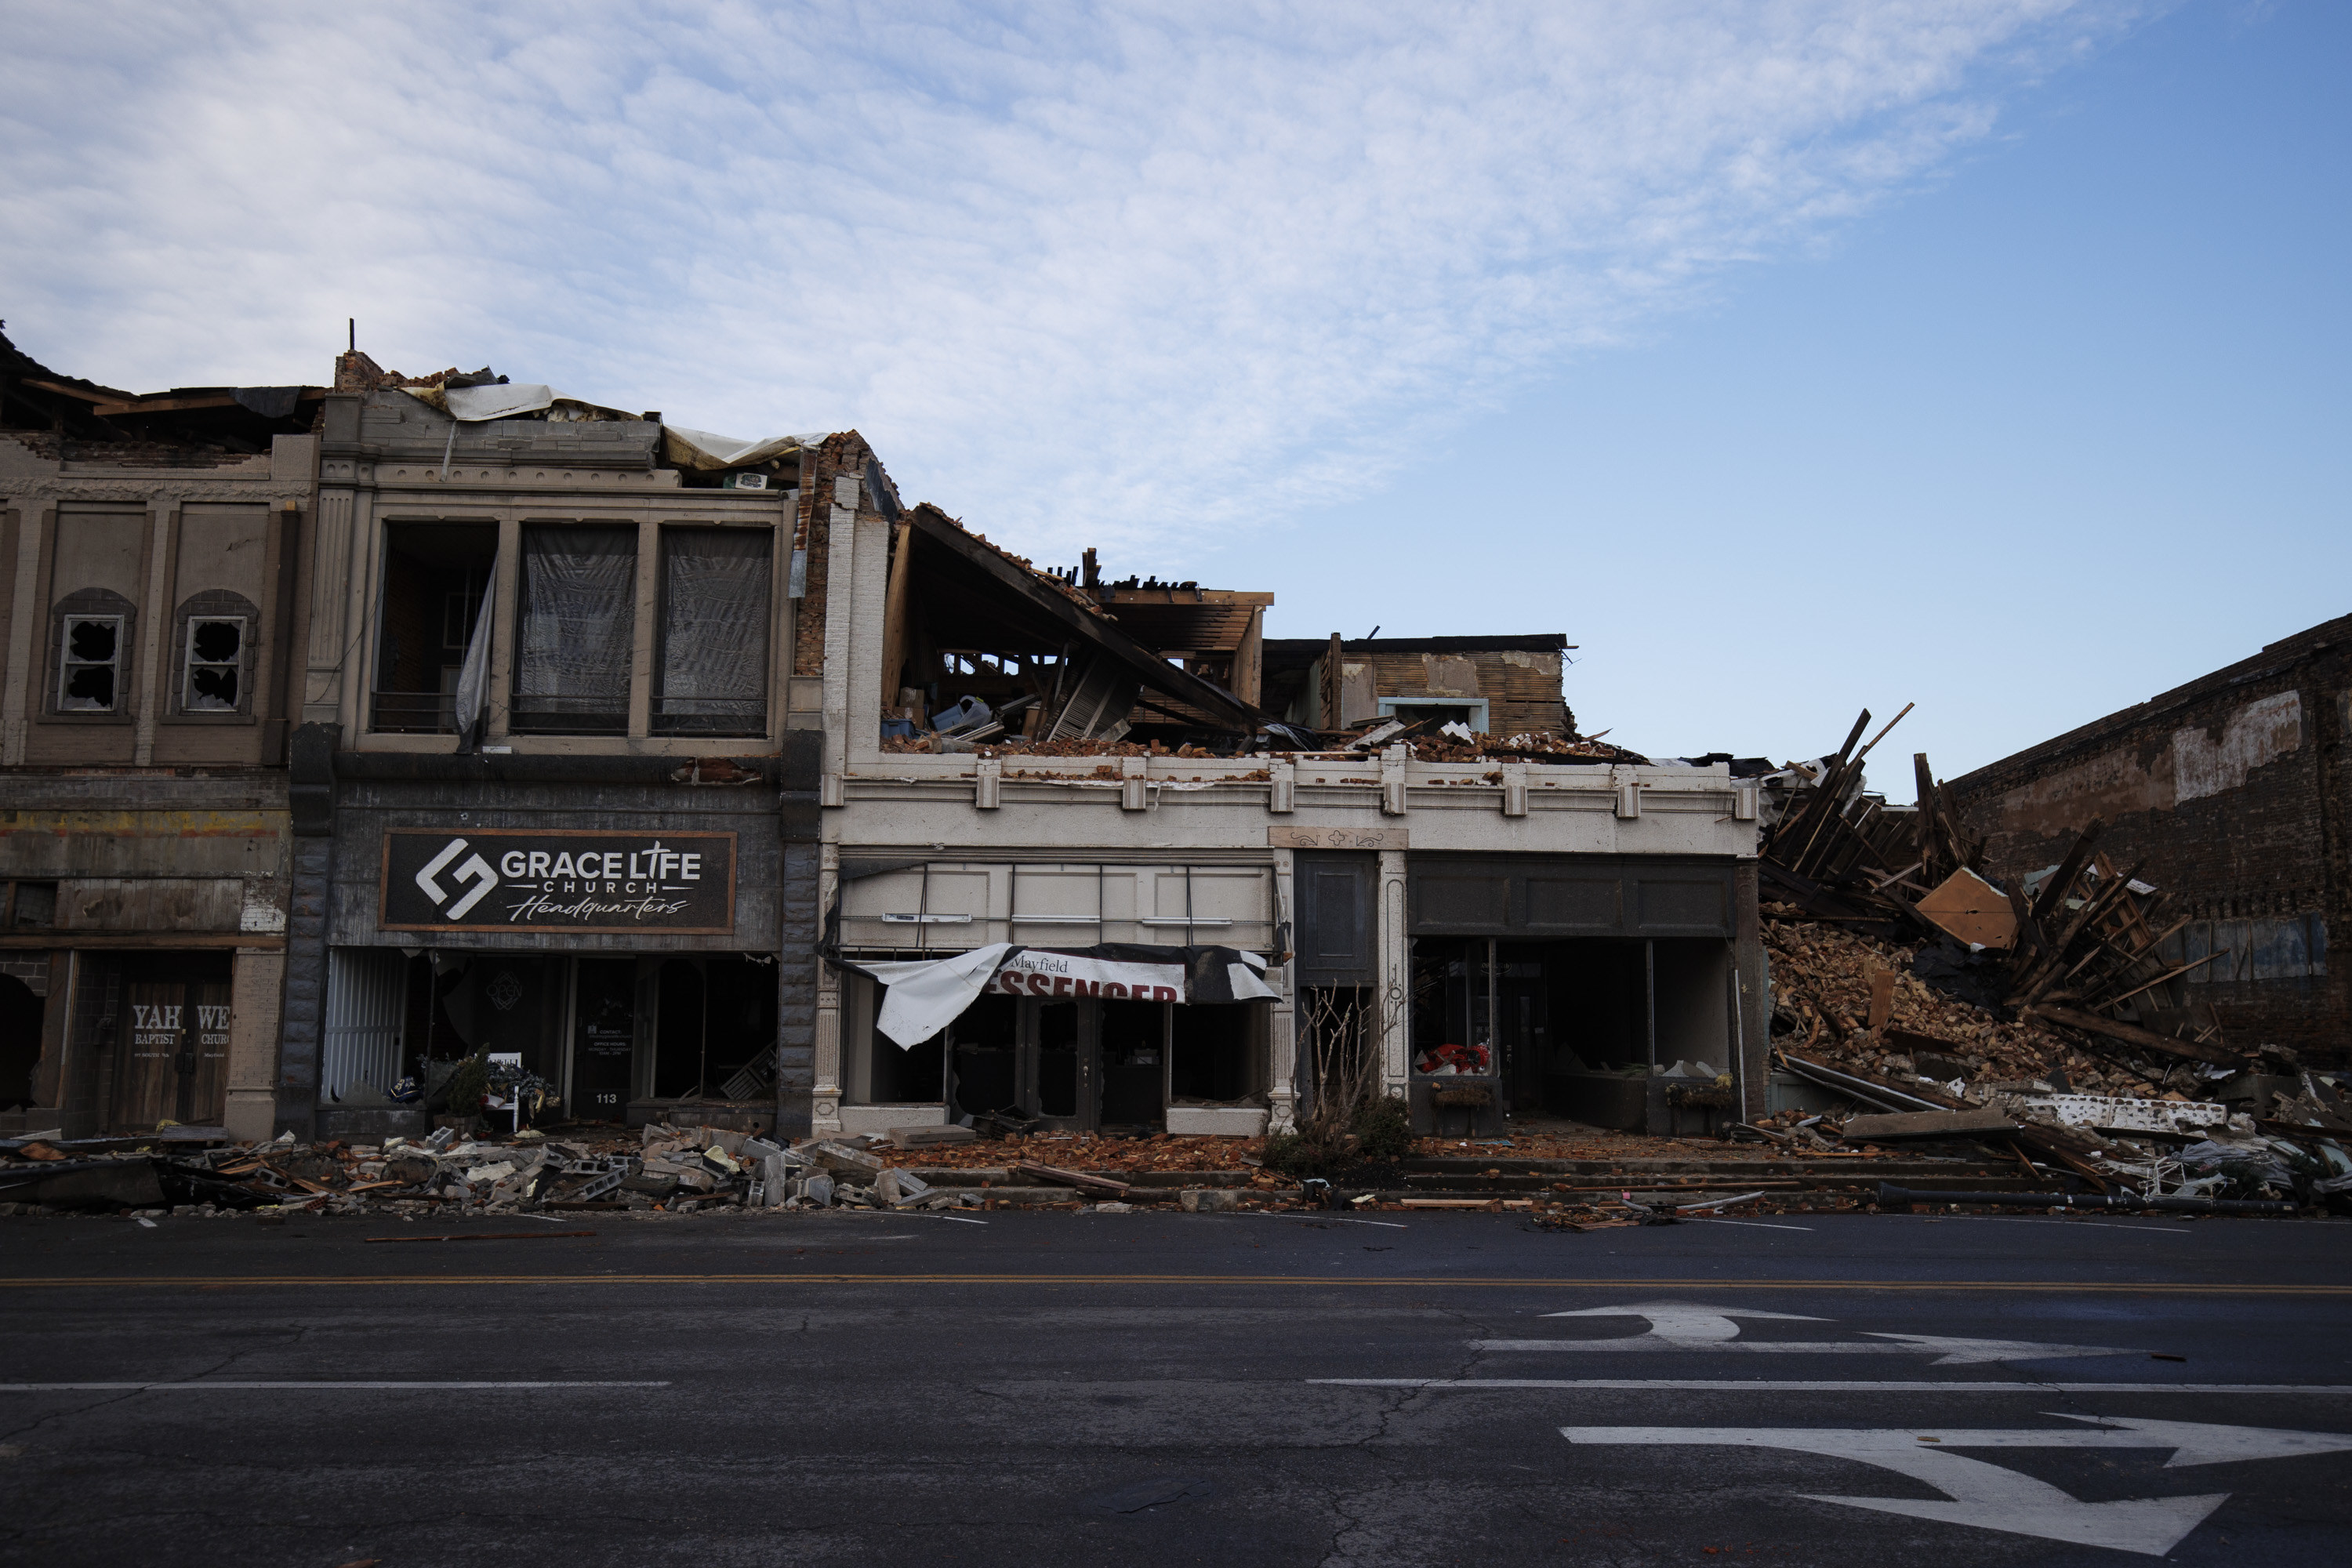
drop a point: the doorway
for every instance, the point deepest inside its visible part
(1086, 1064)
(22, 1012)
(604, 1038)
(171, 1060)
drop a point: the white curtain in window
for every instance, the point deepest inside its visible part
(579, 610)
(714, 658)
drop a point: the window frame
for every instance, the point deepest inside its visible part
(119, 706)
(508, 711)
(670, 727)
(515, 695)
(189, 664)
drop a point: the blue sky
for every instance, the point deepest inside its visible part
(1789, 357)
(2063, 428)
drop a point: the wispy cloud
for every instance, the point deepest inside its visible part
(1077, 271)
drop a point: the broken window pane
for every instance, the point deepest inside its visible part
(215, 650)
(572, 636)
(86, 681)
(714, 632)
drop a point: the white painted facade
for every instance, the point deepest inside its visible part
(1076, 850)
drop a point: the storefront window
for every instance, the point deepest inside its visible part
(986, 1044)
(715, 1023)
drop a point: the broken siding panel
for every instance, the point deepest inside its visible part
(2283, 947)
(149, 904)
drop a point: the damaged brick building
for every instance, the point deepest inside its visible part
(2229, 791)
(150, 551)
(408, 723)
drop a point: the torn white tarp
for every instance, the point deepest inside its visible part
(924, 996)
(700, 452)
(473, 405)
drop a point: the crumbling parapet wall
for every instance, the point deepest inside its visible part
(2229, 793)
(1521, 688)
(842, 456)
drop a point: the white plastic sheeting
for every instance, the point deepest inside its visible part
(714, 645)
(579, 616)
(474, 405)
(701, 452)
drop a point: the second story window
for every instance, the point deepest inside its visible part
(90, 664)
(215, 659)
(575, 628)
(713, 660)
(436, 575)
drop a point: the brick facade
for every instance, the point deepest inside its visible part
(2227, 792)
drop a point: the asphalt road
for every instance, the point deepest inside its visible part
(1165, 1388)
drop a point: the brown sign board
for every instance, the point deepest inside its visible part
(1335, 838)
(548, 879)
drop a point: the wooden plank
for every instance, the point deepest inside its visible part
(1078, 1179)
(2070, 869)
(2131, 1034)
(1249, 659)
(894, 613)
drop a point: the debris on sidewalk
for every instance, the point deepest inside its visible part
(2047, 1027)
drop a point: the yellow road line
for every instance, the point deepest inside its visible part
(215, 1282)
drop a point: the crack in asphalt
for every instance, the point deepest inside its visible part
(1333, 1553)
(40, 1421)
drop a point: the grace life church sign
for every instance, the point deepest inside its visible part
(558, 881)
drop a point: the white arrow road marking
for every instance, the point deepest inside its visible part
(1954, 1352)
(1987, 1497)
(1830, 1386)
(1683, 1326)
(204, 1387)
(2196, 1443)
(1686, 1323)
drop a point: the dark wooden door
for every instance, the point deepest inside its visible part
(146, 1072)
(172, 1063)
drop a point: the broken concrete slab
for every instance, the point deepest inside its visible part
(841, 1159)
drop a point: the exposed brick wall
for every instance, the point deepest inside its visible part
(2228, 794)
(32, 968)
(842, 456)
(1522, 690)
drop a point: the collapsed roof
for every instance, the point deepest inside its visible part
(951, 591)
(202, 419)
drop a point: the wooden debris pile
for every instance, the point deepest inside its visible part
(2081, 946)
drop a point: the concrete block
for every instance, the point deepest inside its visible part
(880, 1121)
(1215, 1121)
(1208, 1200)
